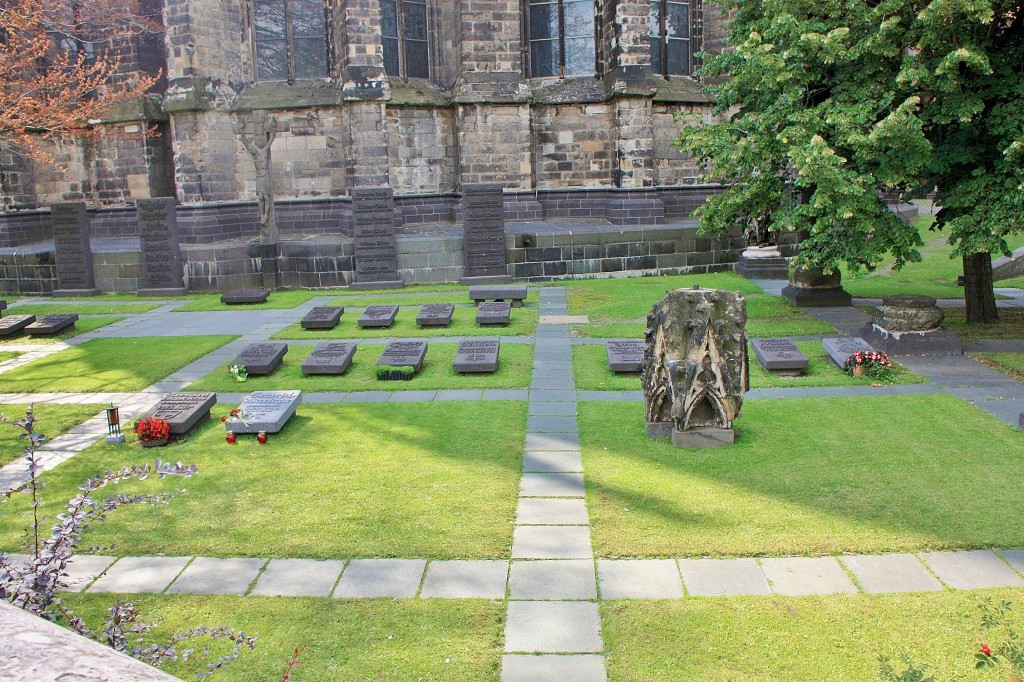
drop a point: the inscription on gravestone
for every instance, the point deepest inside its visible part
(494, 313)
(73, 250)
(435, 315)
(404, 354)
(12, 324)
(266, 411)
(52, 324)
(378, 316)
(329, 358)
(262, 358)
(840, 350)
(322, 317)
(779, 355)
(183, 411)
(477, 355)
(241, 296)
(625, 356)
(374, 236)
(483, 221)
(161, 253)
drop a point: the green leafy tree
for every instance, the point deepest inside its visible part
(823, 105)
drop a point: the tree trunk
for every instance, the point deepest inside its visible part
(978, 293)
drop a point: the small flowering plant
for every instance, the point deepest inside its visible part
(238, 373)
(875, 365)
(152, 428)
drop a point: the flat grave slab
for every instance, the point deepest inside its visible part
(435, 315)
(779, 356)
(262, 358)
(183, 411)
(323, 317)
(378, 316)
(245, 296)
(266, 411)
(494, 313)
(840, 350)
(477, 355)
(625, 356)
(12, 324)
(404, 354)
(52, 324)
(329, 358)
(515, 293)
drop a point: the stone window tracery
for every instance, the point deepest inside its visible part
(404, 35)
(562, 38)
(290, 39)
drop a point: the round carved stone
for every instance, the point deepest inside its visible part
(909, 301)
(908, 314)
(814, 278)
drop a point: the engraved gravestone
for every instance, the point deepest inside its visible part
(376, 254)
(404, 354)
(435, 315)
(483, 232)
(244, 296)
(52, 324)
(840, 349)
(266, 411)
(494, 313)
(12, 324)
(780, 356)
(73, 250)
(161, 253)
(323, 317)
(183, 411)
(329, 358)
(262, 358)
(378, 316)
(625, 356)
(477, 355)
(516, 293)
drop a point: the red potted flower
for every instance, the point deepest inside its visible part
(153, 431)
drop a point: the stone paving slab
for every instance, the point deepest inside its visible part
(206, 575)
(723, 577)
(82, 569)
(466, 579)
(639, 579)
(549, 382)
(544, 365)
(553, 395)
(459, 394)
(552, 542)
(1015, 557)
(557, 461)
(368, 397)
(551, 485)
(298, 578)
(505, 394)
(552, 409)
(552, 441)
(606, 396)
(972, 570)
(799, 576)
(412, 396)
(148, 574)
(551, 511)
(891, 573)
(545, 424)
(381, 578)
(564, 579)
(564, 319)
(551, 626)
(553, 668)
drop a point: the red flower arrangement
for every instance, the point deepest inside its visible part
(868, 357)
(152, 428)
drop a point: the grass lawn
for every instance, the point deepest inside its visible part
(590, 367)
(1009, 326)
(40, 309)
(432, 480)
(53, 420)
(799, 639)
(278, 299)
(1009, 363)
(618, 307)
(82, 325)
(356, 640)
(128, 364)
(807, 476)
(523, 323)
(6, 355)
(514, 370)
(935, 275)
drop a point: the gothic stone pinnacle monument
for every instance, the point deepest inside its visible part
(695, 366)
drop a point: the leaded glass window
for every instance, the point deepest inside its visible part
(562, 38)
(291, 39)
(671, 38)
(404, 32)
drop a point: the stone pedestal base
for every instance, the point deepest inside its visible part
(660, 429)
(486, 279)
(389, 284)
(181, 291)
(935, 342)
(115, 440)
(76, 292)
(763, 263)
(703, 437)
(826, 297)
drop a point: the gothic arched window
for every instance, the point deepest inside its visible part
(290, 39)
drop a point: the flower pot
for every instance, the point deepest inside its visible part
(858, 370)
(154, 443)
